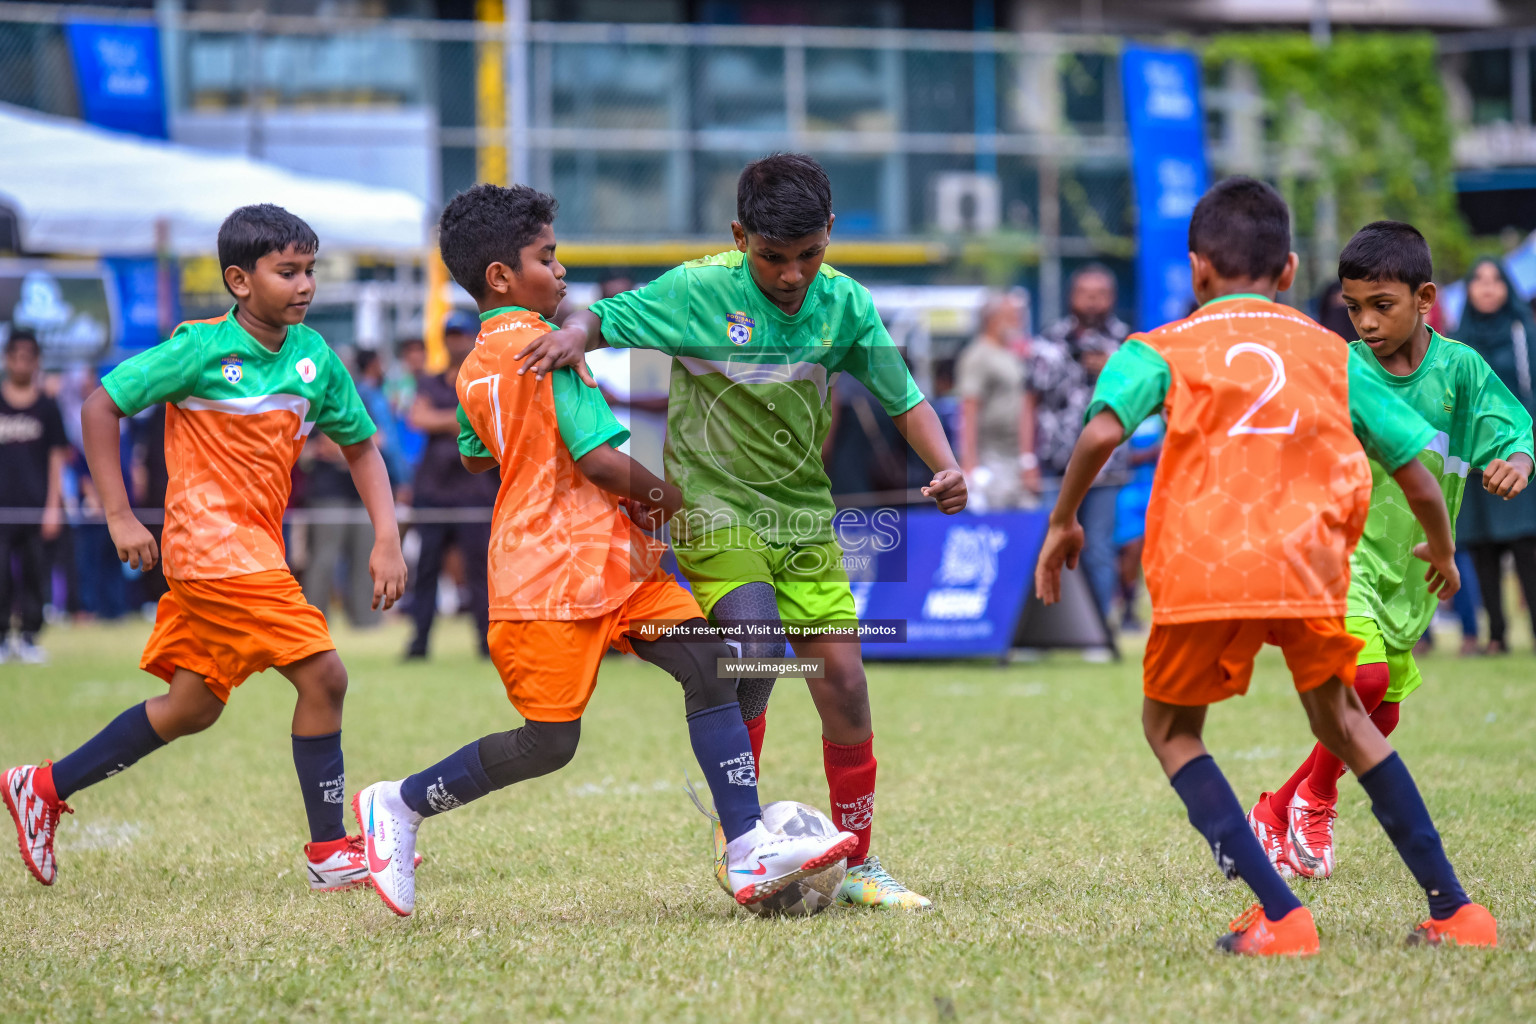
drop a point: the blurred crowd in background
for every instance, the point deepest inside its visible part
(1013, 402)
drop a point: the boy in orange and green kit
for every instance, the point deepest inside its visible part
(1259, 499)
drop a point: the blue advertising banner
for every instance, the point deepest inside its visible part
(959, 582)
(118, 71)
(1167, 135)
(138, 297)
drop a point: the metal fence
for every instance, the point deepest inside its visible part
(640, 130)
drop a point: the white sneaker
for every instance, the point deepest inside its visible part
(389, 844)
(28, 653)
(760, 863)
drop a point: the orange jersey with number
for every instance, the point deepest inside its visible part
(561, 547)
(1262, 489)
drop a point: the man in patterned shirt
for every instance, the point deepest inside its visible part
(1064, 363)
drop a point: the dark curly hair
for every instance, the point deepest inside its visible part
(490, 224)
(783, 197)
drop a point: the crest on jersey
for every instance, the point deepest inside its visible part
(739, 328)
(306, 368)
(232, 368)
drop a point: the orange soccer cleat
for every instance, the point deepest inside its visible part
(1253, 934)
(1471, 925)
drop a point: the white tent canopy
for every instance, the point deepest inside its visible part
(78, 189)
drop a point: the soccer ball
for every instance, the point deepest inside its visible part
(813, 893)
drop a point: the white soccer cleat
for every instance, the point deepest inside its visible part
(389, 844)
(342, 864)
(760, 863)
(36, 821)
(1309, 835)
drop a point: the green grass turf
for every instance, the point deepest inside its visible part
(1023, 800)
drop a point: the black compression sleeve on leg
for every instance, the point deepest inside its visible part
(692, 663)
(538, 748)
(753, 603)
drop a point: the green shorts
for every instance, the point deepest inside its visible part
(809, 580)
(1402, 671)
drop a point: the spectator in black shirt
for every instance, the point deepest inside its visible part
(442, 484)
(33, 450)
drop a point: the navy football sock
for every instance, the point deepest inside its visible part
(323, 781)
(126, 738)
(1397, 805)
(724, 752)
(1214, 810)
(452, 782)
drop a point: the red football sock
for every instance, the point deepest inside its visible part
(851, 785)
(755, 729)
(1371, 682)
(1385, 716)
(1280, 799)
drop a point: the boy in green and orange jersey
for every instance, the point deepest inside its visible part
(242, 391)
(1259, 499)
(573, 570)
(1385, 270)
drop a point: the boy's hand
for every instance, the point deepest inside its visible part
(567, 347)
(657, 509)
(1443, 577)
(947, 489)
(1505, 479)
(1062, 546)
(387, 567)
(135, 544)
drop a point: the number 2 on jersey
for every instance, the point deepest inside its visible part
(1276, 382)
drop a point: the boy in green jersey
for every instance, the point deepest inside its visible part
(1385, 271)
(758, 335)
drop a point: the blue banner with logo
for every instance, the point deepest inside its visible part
(1167, 135)
(117, 68)
(138, 300)
(958, 582)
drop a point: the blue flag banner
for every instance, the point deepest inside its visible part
(1167, 135)
(117, 68)
(138, 300)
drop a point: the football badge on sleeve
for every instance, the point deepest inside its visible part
(739, 328)
(233, 370)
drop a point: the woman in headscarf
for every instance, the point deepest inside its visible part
(1497, 323)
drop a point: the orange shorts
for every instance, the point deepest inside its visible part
(1196, 663)
(550, 668)
(226, 630)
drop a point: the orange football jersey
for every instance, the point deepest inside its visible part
(561, 547)
(1263, 488)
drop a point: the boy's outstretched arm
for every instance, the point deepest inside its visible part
(386, 564)
(100, 430)
(921, 427)
(1064, 539)
(1439, 548)
(650, 500)
(583, 332)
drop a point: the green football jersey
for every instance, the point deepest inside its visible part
(1476, 420)
(749, 404)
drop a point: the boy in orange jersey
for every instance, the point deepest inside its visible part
(573, 570)
(242, 392)
(1260, 497)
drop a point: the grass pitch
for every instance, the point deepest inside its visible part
(1023, 800)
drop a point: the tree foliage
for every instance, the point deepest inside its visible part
(1365, 117)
